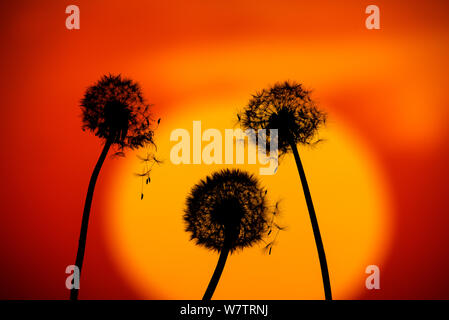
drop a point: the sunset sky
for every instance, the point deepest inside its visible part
(378, 179)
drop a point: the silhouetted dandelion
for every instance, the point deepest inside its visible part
(116, 112)
(289, 108)
(226, 212)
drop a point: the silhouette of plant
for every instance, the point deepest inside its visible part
(116, 112)
(225, 212)
(148, 163)
(273, 229)
(289, 108)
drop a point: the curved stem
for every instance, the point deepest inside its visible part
(314, 222)
(217, 273)
(85, 220)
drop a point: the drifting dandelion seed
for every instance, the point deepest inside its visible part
(271, 226)
(148, 163)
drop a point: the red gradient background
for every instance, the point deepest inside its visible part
(47, 160)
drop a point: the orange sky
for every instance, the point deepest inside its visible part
(388, 87)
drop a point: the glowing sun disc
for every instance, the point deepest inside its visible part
(149, 245)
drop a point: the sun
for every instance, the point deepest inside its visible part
(149, 245)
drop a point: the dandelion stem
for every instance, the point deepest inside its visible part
(314, 222)
(217, 273)
(85, 220)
